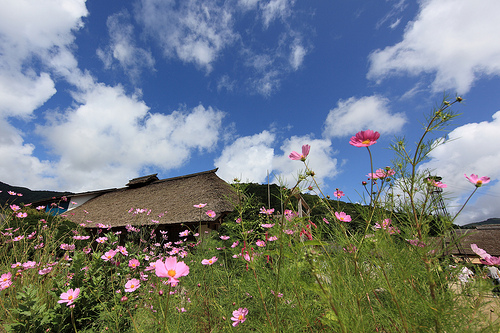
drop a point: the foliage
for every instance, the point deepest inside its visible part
(377, 266)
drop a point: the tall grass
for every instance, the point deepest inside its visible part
(384, 270)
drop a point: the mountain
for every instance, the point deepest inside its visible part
(489, 221)
(28, 196)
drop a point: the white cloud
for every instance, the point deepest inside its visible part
(111, 136)
(123, 47)
(320, 160)
(18, 165)
(455, 39)
(355, 114)
(248, 158)
(468, 150)
(297, 55)
(194, 31)
(33, 30)
(274, 9)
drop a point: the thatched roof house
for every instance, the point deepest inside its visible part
(486, 237)
(151, 201)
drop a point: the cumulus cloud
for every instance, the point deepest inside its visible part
(33, 30)
(468, 150)
(355, 114)
(19, 165)
(195, 31)
(320, 160)
(248, 158)
(110, 136)
(456, 40)
(123, 47)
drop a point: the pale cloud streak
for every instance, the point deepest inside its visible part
(450, 38)
(123, 48)
(194, 31)
(356, 114)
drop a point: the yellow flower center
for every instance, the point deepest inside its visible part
(479, 182)
(171, 272)
(365, 142)
(240, 317)
(132, 286)
(70, 297)
(210, 261)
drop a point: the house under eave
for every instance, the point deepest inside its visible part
(148, 200)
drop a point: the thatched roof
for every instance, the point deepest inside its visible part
(175, 196)
(486, 237)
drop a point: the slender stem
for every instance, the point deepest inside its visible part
(262, 298)
(73, 320)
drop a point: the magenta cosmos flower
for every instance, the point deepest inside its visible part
(69, 297)
(474, 179)
(343, 217)
(436, 183)
(239, 316)
(486, 258)
(108, 255)
(171, 269)
(210, 213)
(365, 138)
(209, 261)
(296, 156)
(132, 285)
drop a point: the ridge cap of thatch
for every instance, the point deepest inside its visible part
(186, 176)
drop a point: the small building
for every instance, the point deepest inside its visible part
(168, 203)
(486, 237)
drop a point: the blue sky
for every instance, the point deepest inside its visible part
(94, 93)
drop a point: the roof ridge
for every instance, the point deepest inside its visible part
(186, 176)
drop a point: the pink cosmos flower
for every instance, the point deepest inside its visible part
(296, 156)
(267, 225)
(343, 217)
(69, 297)
(18, 238)
(436, 183)
(338, 193)
(210, 213)
(171, 269)
(108, 255)
(133, 263)
(5, 281)
(209, 261)
(365, 138)
(235, 244)
(44, 270)
(184, 233)
(265, 211)
(132, 285)
(40, 207)
(474, 179)
(288, 232)
(15, 207)
(381, 173)
(260, 243)
(239, 316)
(485, 257)
(224, 237)
(21, 215)
(101, 240)
(386, 225)
(122, 250)
(201, 205)
(272, 238)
